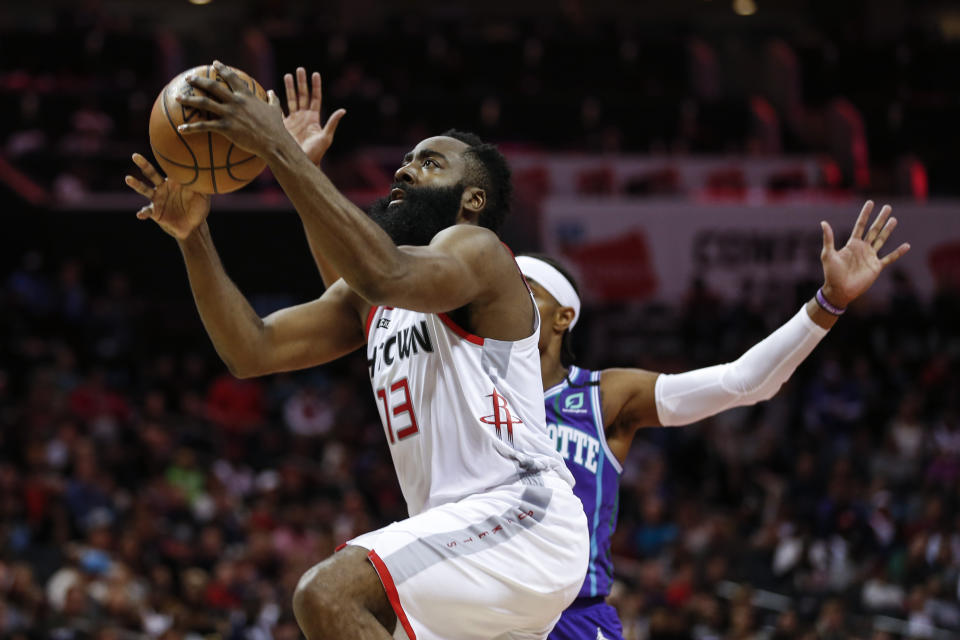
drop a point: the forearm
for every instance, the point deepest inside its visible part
(233, 326)
(757, 375)
(328, 274)
(339, 233)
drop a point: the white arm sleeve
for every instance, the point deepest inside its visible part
(757, 375)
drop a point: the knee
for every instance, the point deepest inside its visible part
(344, 587)
(314, 601)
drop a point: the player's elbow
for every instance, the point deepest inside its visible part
(769, 391)
(255, 355)
(245, 365)
(242, 373)
(240, 369)
(759, 395)
(749, 389)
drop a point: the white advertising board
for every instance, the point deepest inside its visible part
(624, 249)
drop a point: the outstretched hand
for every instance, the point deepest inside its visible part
(175, 208)
(303, 119)
(849, 272)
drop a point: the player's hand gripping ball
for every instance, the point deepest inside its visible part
(206, 162)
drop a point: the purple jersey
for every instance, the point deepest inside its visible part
(575, 423)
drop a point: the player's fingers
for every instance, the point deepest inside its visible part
(878, 224)
(146, 212)
(204, 103)
(200, 127)
(211, 87)
(148, 169)
(334, 120)
(303, 92)
(884, 234)
(139, 186)
(861, 223)
(316, 96)
(895, 255)
(291, 93)
(828, 245)
(234, 82)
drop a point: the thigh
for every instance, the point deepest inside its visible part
(504, 562)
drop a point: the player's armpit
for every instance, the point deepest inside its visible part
(463, 264)
(309, 334)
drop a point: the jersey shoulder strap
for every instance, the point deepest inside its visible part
(582, 377)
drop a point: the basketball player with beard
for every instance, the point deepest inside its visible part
(496, 543)
(593, 416)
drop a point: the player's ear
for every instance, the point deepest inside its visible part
(473, 202)
(563, 318)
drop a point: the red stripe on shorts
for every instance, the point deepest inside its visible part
(391, 590)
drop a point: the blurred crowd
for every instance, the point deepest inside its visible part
(146, 493)
(810, 82)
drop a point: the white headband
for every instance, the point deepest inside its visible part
(553, 281)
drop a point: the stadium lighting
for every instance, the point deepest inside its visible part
(744, 7)
(200, 1)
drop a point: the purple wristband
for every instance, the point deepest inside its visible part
(826, 306)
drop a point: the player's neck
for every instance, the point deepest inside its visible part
(551, 370)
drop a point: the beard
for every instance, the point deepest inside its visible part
(423, 213)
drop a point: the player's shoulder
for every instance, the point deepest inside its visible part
(465, 232)
(472, 241)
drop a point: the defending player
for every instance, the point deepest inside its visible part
(594, 415)
(496, 545)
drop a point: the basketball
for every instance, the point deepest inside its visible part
(206, 162)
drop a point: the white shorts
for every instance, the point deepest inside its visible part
(501, 564)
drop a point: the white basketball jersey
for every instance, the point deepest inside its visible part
(461, 413)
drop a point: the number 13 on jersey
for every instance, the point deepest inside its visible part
(399, 397)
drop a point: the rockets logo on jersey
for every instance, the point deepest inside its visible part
(406, 343)
(501, 417)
